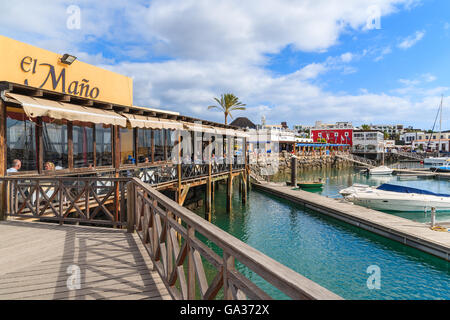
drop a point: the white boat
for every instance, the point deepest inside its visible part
(353, 189)
(382, 170)
(436, 161)
(399, 198)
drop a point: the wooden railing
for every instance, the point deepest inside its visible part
(172, 236)
(92, 199)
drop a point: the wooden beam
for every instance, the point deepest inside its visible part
(64, 98)
(70, 144)
(39, 145)
(37, 93)
(3, 158)
(87, 103)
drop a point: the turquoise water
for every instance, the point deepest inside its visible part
(330, 252)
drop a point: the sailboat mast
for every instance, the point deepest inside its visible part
(440, 127)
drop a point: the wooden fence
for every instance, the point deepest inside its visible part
(172, 236)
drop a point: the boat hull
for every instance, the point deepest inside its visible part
(391, 201)
(436, 161)
(310, 185)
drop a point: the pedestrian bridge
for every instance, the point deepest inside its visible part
(49, 261)
(165, 252)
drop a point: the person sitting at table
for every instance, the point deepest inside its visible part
(16, 165)
(49, 166)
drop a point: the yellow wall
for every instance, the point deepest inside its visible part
(22, 63)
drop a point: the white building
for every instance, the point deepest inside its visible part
(275, 138)
(433, 144)
(368, 142)
(389, 128)
(337, 125)
(409, 137)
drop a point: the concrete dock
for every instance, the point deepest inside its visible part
(408, 232)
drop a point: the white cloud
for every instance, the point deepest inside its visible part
(411, 40)
(211, 47)
(385, 51)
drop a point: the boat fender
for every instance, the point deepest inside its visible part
(439, 228)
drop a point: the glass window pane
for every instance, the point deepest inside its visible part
(144, 152)
(83, 146)
(170, 142)
(159, 145)
(103, 144)
(126, 146)
(54, 135)
(20, 141)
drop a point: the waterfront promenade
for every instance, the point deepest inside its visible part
(38, 259)
(408, 232)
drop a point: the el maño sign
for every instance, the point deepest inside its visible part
(25, 64)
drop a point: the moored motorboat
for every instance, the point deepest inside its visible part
(382, 170)
(437, 161)
(445, 168)
(398, 198)
(354, 188)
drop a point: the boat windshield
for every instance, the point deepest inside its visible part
(402, 189)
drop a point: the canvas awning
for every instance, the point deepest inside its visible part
(38, 107)
(138, 121)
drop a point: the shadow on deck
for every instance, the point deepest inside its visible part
(38, 259)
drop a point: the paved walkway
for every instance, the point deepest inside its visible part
(38, 259)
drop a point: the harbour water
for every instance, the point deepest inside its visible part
(330, 252)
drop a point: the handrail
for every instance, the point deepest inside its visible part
(168, 232)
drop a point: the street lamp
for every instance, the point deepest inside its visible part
(68, 59)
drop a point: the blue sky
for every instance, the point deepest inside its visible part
(295, 61)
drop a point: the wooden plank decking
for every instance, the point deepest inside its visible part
(113, 264)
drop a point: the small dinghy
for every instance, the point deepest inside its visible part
(397, 198)
(310, 184)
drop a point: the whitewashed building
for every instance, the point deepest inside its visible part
(371, 142)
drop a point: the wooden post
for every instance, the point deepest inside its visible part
(3, 148)
(228, 265)
(208, 197)
(70, 144)
(153, 145)
(94, 146)
(131, 199)
(39, 146)
(191, 265)
(230, 175)
(293, 172)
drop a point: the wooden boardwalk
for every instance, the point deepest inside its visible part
(36, 260)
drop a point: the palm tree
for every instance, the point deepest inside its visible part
(228, 102)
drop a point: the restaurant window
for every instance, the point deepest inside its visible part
(170, 142)
(54, 136)
(103, 145)
(197, 146)
(159, 144)
(126, 146)
(144, 151)
(20, 140)
(83, 146)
